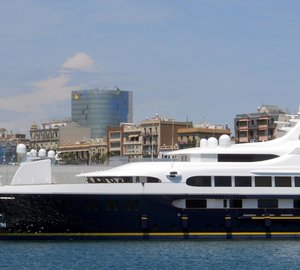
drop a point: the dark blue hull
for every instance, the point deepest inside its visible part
(136, 217)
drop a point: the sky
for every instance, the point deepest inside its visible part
(201, 60)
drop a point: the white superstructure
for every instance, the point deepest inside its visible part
(211, 149)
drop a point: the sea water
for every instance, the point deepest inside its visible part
(143, 254)
(154, 254)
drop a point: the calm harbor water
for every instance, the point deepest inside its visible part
(184, 254)
(143, 254)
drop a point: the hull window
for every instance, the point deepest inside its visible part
(112, 205)
(196, 203)
(296, 203)
(132, 205)
(236, 204)
(242, 181)
(263, 181)
(92, 205)
(210, 203)
(283, 181)
(222, 181)
(267, 203)
(199, 181)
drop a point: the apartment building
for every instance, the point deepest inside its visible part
(259, 126)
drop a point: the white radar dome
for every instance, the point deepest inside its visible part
(42, 153)
(51, 154)
(225, 141)
(21, 152)
(21, 149)
(203, 142)
(212, 142)
(33, 153)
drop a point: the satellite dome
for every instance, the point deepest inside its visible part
(21, 148)
(51, 154)
(33, 153)
(21, 152)
(203, 142)
(212, 142)
(42, 153)
(225, 141)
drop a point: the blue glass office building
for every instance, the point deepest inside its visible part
(99, 109)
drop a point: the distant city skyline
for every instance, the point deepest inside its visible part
(202, 60)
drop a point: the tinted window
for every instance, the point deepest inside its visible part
(297, 181)
(242, 181)
(263, 181)
(296, 203)
(196, 203)
(267, 203)
(200, 181)
(283, 181)
(223, 181)
(236, 204)
(244, 157)
(153, 180)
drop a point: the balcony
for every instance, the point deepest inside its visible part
(263, 138)
(114, 139)
(149, 134)
(243, 139)
(133, 152)
(128, 142)
(241, 128)
(149, 143)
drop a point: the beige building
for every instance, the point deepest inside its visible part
(146, 140)
(160, 134)
(125, 140)
(51, 136)
(132, 141)
(114, 139)
(84, 152)
(98, 147)
(190, 137)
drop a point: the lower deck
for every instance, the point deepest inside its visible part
(49, 216)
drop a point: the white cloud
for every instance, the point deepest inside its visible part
(80, 61)
(40, 101)
(45, 92)
(50, 90)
